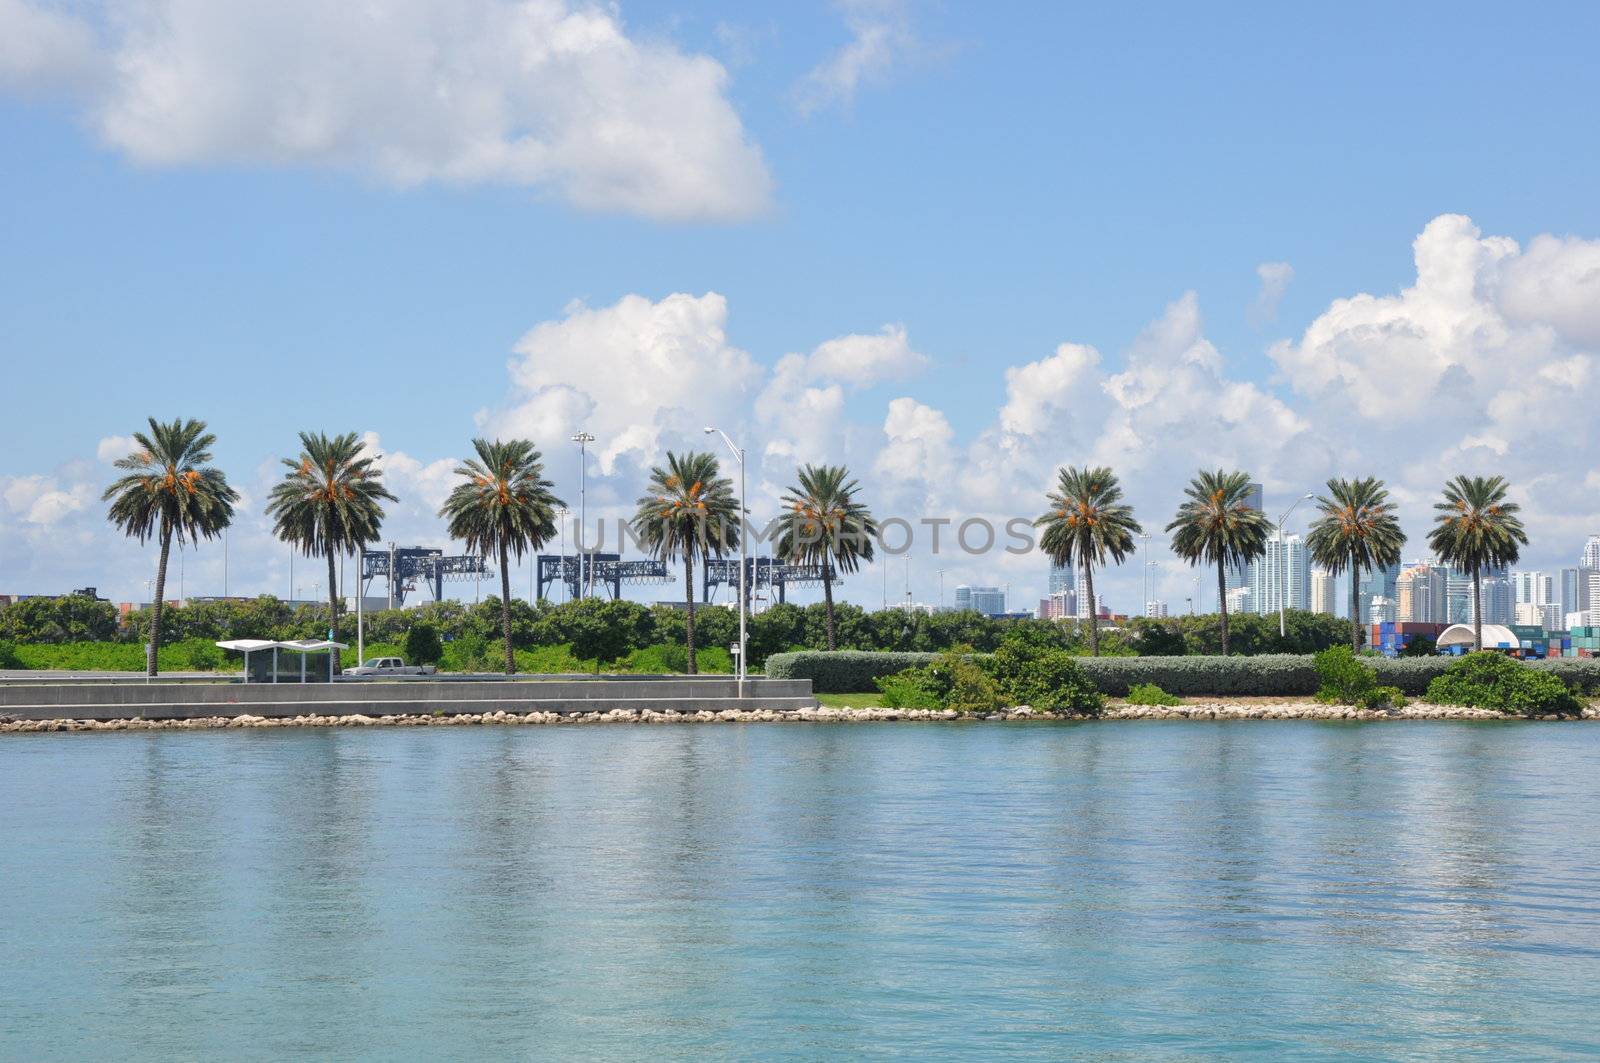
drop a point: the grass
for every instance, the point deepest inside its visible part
(850, 701)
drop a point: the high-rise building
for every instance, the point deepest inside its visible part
(1376, 583)
(1324, 595)
(1239, 575)
(989, 601)
(1381, 609)
(1061, 578)
(1591, 553)
(1155, 608)
(1572, 594)
(1421, 594)
(1080, 589)
(1239, 600)
(963, 598)
(1281, 576)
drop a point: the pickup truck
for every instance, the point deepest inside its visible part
(390, 666)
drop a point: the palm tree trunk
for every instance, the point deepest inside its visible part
(1355, 609)
(505, 611)
(827, 600)
(155, 606)
(1094, 613)
(1477, 610)
(333, 604)
(688, 597)
(1222, 602)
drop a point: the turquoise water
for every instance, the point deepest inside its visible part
(1113, 891)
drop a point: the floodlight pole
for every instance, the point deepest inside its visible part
(744, 550)
(583, 439)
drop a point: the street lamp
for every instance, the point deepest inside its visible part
(1145, 605)
(1283, 575)
(583, 439)
(738, 453)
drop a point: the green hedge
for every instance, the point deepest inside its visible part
(1280, 675)
(189, 655)
(843, 671)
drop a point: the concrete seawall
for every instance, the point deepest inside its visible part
(180, 701)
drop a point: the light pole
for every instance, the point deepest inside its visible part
(738, 453)
(1283, 554)
(583, 439)
(1145, 610)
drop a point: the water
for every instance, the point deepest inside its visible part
(1111, 891)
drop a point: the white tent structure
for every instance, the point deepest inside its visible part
(1495, 637)
(300, 646)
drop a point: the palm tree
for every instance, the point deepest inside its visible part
(829, 527)
(328, 502)
(503, 506)
(1217, 524)
(1476, 528)
(171, 493)
(1087, 523)
(689, 512)
(1356, 531)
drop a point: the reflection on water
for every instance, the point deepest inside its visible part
(1115, 891)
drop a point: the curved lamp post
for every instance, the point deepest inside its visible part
(738, 453)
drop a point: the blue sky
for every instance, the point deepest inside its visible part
(1001, 180)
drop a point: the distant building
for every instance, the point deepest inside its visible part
(989, 601)
(1155, 608)
(1061, 578)
(1281, 576)
(1323, 592)
(1421, 594)
(1591, 554)
(1381, 609)
(1377, 583)
(963, 598)
(1239, 600)
(1061, 605)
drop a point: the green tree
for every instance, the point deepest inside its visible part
(1475, 528)
(329, 503)
(1086, 525)
(687, 513)
(169, 492)
(1217, 525)
(1356, 531)
(503, 506)
(423, 645)
(827, 526)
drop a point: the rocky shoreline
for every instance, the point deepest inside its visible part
(1199, 710)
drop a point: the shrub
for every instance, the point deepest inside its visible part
(1489, 680)
(551, 660)
(913, 688)
(202, 656)
(469, 653)
(1043, 678)
(972, 689)
(423, 645)
(1411, 675)
(8, 656)
(1345, 679)
(1150, 694)
(1382, 698)
(1270, 674)
(1579, 673)
(843, 671)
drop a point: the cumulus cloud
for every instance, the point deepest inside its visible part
(880, 35)
(639, 375)
(45, 50)
(114, 448)
(1275, 278)
(542, 93)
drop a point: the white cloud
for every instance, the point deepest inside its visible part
(918, 444)
(540, 93)
(1275, 278)
(114, 448)
(639, 375)
(880, 35)
(861, 360)
(45, 50)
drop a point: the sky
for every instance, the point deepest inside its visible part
(953, 246)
